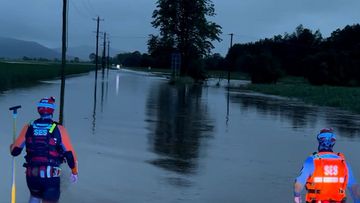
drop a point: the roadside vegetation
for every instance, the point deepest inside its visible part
(21, 74)
(333, 61)
(346, 98)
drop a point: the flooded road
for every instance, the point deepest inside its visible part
(139, 139)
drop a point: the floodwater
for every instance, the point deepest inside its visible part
(139, 139)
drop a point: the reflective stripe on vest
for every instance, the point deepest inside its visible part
(329, 180)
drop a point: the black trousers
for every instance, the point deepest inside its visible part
(44, 188)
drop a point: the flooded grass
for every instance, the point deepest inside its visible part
(224, 75)
(347, 98)
(23, 74)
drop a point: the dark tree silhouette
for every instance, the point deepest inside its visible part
(184, 27)
(304, 53)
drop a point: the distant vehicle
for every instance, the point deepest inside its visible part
(115, 67)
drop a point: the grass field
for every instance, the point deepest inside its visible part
(23, 74)
(347, 98)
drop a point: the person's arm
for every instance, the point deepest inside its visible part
(300, 181)
(69, 152)
(18, 145)
(353, 186)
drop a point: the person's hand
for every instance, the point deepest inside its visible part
(73, 178)
(297, 199)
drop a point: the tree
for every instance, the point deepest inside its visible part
(215, 62)
(184, 27)
(76, 59)
(92, 57)
(134, 59)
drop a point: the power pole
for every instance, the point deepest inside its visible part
(97, 46)
(103, 61)
(231, 41)
(63, 62)
(108, 56)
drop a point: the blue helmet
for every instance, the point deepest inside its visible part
(326, 139)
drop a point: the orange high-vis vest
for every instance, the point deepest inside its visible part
(329, 180)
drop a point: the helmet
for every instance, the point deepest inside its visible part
(46, 106)
(326, 139)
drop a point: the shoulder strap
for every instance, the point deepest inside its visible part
(341, 155)
(52, 128)
(316, 155)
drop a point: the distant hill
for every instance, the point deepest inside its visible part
(84, 51)
(16, 49)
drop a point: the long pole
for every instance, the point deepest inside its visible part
(97, 47)
(108, 59)
(13, 186)
(108, 55)
(63, 62)
(103, 61)
(231, 41)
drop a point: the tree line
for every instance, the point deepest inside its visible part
(304, 53)
(184, 29)
(322, 61)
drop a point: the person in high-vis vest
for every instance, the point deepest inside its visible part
(47, 146)
(326, 175)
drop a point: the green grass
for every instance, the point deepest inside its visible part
(24, 74)
(347, 98)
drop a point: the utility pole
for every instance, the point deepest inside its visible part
(63, 62)
(103, 61)
(108, 55)
(231, 41)
(97, 46)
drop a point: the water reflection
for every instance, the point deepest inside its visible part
(346, 125)
(299, 114)
(117, 84)
(102, 90)
(178, 121)
(103, 96)
(94, 108)
(227, 105)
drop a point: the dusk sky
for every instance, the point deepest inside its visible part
(128, 21)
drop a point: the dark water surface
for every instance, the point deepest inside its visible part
(142, 140)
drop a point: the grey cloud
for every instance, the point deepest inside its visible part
(128, 21)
